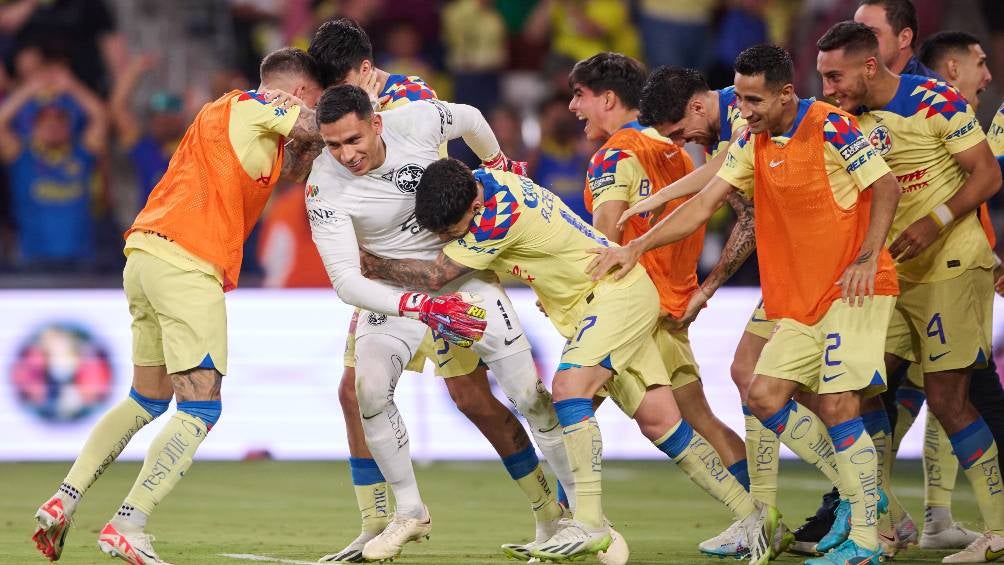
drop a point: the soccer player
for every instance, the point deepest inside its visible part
(824, 201)
(506, 223)
(929, 136)
(360, 194)
(345, 54)
(184, 251)
(895, 25)
(634, 162)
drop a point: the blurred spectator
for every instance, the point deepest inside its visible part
(742, 26)
(52, 169)
(255, 32)
(149, 144)
(403, 52)
(895, 24)
(475, 38)
(559, 163)
(286, 250)
(581, 28)
(508, 128)
(676, 32)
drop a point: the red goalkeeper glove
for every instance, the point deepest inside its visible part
(503, 163)
(451, 315)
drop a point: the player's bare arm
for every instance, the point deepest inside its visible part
(605, 219)
(305, 142)
(982, 182)
(685, 220)
(858, 280)
(431, 275)
(689, 184)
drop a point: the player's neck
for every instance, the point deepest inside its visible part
(902, 58)
(882, 89)
(788, 118)
(382, 77)
(712, 105)
(617, 119)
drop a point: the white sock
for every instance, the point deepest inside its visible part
(937, 518)
(130, 518)
(517, 375)
(379, 366)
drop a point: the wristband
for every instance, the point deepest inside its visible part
(942, 215)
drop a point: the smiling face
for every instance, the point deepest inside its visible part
(973, 75)
(845, 76)
(589, 106)
(355, 142)
(760, 104)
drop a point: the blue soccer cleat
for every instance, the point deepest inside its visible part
(848, 553)
(842, 525)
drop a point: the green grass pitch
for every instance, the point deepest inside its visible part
(299, 511)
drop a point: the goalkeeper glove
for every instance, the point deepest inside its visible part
(503, 163)
(451, 315)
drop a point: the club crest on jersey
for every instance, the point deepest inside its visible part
(375, 319)
(881, 139)
(405, 178)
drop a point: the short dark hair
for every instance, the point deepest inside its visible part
(771, 61)
(666, 93)
(611, 71)
(936, 47)
(340, 46)
(289, 60)
(900, 14)
(444, 194)
(852, 37)
(341, 100)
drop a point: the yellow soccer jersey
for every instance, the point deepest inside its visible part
(852, 165)
(618, 174)
(917, 133)
(730, 120)
(524, 230)
(254, 123)
(995, 135)
(404, 89)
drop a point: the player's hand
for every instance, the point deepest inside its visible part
(280, 98)
(371, 85)
(858, 280)
(698, 301)
(648, 205)
(503, 163)
(454, 315)
(619, 260)
(541, 308)
(917, 237)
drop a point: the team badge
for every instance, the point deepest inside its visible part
(881, 140)
(406, 178)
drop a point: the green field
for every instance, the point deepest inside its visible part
(301, 511)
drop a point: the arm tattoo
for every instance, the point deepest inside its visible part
(741, 243)
(304, 145)
(432, 275)
(863, 258)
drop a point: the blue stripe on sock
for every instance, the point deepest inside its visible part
(206, 410)
(876, 421)
(567, 366)
(910, 398)
(777, 422)
(845, 434)
(562, 496)
(573, 410)
(740, 470)
(365, 471)
(152, 405)
(747, 411)
(678, 441)
(971, 442)
(521, 464)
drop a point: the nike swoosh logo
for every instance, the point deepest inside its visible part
(828, 378)
(939, 356)
(775, 163)
(513, 340)
(992, 554)
(448, 360)
(755, 319)
(551, 429)
(365, 417)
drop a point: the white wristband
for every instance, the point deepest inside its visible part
(944, 215)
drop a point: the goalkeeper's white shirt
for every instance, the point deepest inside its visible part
(376, 211)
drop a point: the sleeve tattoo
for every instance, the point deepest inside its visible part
(432, 275)
(741, 243)
(304, 145)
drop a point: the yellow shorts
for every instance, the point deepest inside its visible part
(450, 360)
(842, 352)
(944, 325)
(179, 318)
(915, 375)
(758, 324)
(677, 356)
(616, 331)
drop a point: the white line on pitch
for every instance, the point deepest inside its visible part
(266, 558)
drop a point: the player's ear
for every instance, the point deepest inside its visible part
(365, 67)
(952, 69)
(377, 122)
(905, 38)
(697, 106)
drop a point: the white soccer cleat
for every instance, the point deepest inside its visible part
(617, 553)
(761, 528)
(352, 553)
(733, 542)
(952, 537)
(51, 526)
(888, 537)
(783, 539)
(400, 530)
(906, 531)
(572, 541)
(984, 549)
(544, 531)
(135, 548)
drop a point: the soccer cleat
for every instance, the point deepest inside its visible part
(906, 531)
(135, 548)
(952, 537)
(783, 539)
(51, 528)
(352, 553)
(618, 552)
(521, 551)
(574, 540)
(733, 542)
(842, 523)
(400, 530)
(888, 538)
(848, 553)
(984, 549)
(816, 526)
(761, 531)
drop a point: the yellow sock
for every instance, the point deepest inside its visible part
(941, 467)
(762, 458)
(804, 433)
(168, 459)
(538, 492)
(878, 427)
(699, 460)
(584, 446)
(857, 464)
(109, 437)
(977, 453)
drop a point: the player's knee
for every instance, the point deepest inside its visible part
(475, 403)
(742, 373)
(208, 411)
(154, 406)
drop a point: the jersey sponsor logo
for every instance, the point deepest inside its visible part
(375, 319)
(529, 194)
(881, 140)
(477, 248)
(405, 178)
(963, 130)
(853, 147)
(445, 115)
(860, 161)
(311, 191)
(582, 227)
(321, 216)
(602, 182)
(912, 182)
